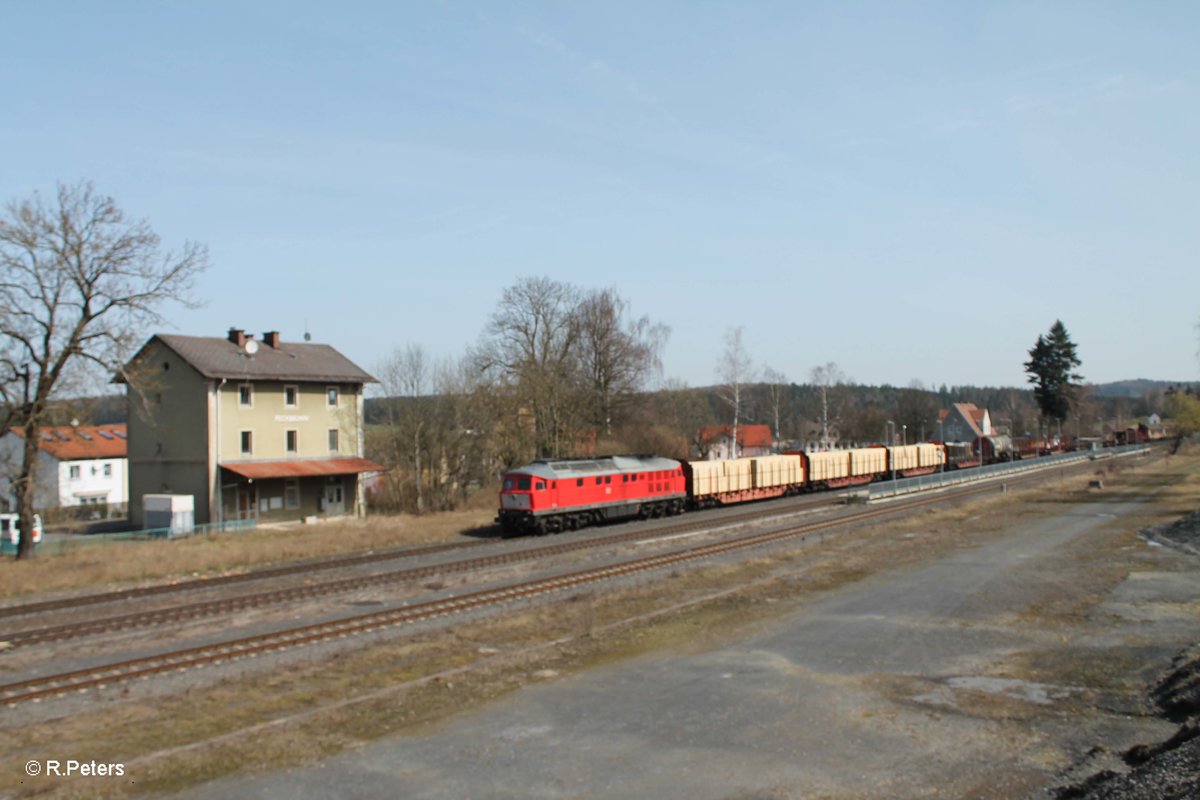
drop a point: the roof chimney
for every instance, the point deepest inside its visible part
(237, 336)
(271, 339)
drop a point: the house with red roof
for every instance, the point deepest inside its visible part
(78, 465)
(716, 441)
(963, 422)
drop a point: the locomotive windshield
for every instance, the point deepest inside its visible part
(518, 483)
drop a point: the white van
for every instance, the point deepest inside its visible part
(10, 534)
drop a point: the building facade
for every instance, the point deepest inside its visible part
(78, 465)
(963, 422)
(253, 429)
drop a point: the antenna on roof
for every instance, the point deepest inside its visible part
(307, 335)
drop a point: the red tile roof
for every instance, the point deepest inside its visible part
(80, 442)
(301, 468)
(973, 416)
(748, 435)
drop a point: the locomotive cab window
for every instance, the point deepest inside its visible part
(520, 484)
(579, 482)
(541, 484)
(608, 478)
(599, 481)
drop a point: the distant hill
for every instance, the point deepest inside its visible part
(1134, 388)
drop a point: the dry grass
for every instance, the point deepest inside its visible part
(123, 563)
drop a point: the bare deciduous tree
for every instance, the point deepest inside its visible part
(530, 346)
(617, 354)
(825, 377)
(776, 388)
(403, 378)
(735, 369)
(79, 286)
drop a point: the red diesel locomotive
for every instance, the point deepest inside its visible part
(552, 495)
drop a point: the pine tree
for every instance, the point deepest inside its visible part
(1050, 368)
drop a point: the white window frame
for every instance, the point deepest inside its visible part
(334, 438)
(73, 472)
(242, 442)
(295, 387)
(291, 450)
(249, 387)
(337, 397)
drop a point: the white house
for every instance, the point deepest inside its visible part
(77, 465)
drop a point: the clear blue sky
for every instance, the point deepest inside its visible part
(911, 190)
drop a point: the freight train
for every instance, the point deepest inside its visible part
(554, 495)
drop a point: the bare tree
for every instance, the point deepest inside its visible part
(530, 346)
(735, 369)
(825, 377)
(776, 387)
(79, 285)
(403, 378)
(617, 354)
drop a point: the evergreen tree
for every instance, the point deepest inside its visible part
(1050, 368)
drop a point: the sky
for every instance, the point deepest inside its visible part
(914, 191)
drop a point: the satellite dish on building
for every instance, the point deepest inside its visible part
(251, 347)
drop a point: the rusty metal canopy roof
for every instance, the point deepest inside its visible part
(301, 468)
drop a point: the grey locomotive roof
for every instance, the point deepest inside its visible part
(216, 357)
(582, 467)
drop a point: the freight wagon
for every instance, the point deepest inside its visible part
(994, 449)
(738, 480)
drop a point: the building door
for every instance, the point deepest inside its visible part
(335, 499)
(247, 504)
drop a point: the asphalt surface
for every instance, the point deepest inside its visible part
(932, 681)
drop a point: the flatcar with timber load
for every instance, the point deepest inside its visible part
(911, 460)
(835, 469)
(553, 495)
(739, 480)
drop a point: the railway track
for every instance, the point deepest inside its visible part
(178, 660)
(229, 605)
(201, 584)
(239, 603)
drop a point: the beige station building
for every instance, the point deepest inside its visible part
(252, 429)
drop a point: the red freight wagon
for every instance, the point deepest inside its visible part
(552, 495)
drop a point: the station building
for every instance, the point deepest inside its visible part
(252, 428)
